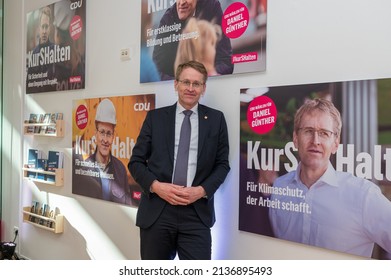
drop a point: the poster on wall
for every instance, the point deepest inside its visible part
(56, 46)
(315, 165)
(228, 37)
(104, 132)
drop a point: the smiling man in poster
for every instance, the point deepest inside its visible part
(104, 134)
(319, 206)
(104, 175)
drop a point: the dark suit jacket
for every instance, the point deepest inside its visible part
(153, 159)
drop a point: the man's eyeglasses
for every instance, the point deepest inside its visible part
(187, 83)
(104, 133)
(323, 134)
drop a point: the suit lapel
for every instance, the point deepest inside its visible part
(203, 127)
(170, 135)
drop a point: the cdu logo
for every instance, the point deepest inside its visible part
(75, 5)
(142, 106)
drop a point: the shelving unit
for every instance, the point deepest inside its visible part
(55, 224)
(59, 128)
(58, 176)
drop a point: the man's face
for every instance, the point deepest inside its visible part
(185, 8)
(104, 138)
(190, 87)
(316, 140)
(44, 29)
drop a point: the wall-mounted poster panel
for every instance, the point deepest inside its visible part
(104, 132)
(56, 45)
(227, 36)
(315, 165)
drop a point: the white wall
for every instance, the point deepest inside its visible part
(308, 41)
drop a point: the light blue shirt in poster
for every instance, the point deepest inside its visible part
(148, 70)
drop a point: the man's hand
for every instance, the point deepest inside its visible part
(194, 193)
(177, 195)
(173, 194)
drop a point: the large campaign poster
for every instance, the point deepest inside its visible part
(104, 132)
(56, 47)
(228, 37)
(348, 208)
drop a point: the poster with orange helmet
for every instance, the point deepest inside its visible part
(104, 132)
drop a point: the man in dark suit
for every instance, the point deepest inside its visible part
(177, 218)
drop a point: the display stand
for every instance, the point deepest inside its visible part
(59, 130)
(58, 176)
(54, 224)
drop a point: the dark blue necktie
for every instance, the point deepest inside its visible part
(182, 158)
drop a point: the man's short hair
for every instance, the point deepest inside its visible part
(319, 104)
(191, 64)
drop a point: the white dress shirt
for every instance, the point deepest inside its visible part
(339, 212)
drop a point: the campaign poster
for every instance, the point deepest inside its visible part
(56, 47)
(104, 132)
(281, 195)
(228, 37)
